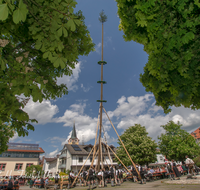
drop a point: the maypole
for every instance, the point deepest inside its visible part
(102, 19)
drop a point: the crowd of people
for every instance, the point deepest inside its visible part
(9, 184)
(116, 175)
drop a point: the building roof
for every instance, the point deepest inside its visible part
(50, 159)
(82, 150)
(73, 136)
(40, 150)
(196, 133)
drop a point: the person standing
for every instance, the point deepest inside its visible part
(47, 181)
(10, 185)
(41, 182)
(91, 177)
(177, 173)
(16, 183)
(190, 164)
(56, 180)
(112, 175)
(31, 183)
(84, 177)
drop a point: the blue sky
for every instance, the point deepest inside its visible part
(127, 101)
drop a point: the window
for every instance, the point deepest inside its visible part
(80, 159)
(2, 167)
(29, 164)
(18, 166)
(90, 159)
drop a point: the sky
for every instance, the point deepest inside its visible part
(127, 101)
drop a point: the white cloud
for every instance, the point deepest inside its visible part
(140, 110)
(133, 106)
(54, 140)
(97, 47)
(83, 135)
(14, 138)
(43, 112)
(78, 108)
(52, 154)
(85, 125)
(107, 138)
(85, 89)
(71, 80)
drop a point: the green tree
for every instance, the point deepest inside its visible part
(141, 147)
(176, 143)
(169, 31)
(197, 160)
(40, 41)
(34, 171)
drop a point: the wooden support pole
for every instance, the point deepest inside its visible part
(123, 145)
(82, 167)
(61, 184)
(101, 157)
(95, 139)
(91, 164)
(106, 162)
(119, 159)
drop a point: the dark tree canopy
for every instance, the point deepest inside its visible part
(141, 147)
(176, 143)
(170, 33)
(40, 40)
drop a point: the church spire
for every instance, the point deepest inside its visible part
(73, 136)
(73, 139)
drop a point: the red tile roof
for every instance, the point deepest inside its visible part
(197, 133)
(20, 150)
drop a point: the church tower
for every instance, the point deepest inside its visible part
(73, 139)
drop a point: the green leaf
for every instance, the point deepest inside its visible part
(60, 46)
(77, 21)
(57, 63)
(38, 45)
(65, 32)
(46, 54)
(71, 24)
(17, 16)
(142, 23)
(60, 31)
(20, 13)
(3, 11)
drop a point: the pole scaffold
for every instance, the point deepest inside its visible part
(123, 145)
(82, 167)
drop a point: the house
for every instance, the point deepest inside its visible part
(18, 157)
(73, 155)
(50, 166)
(196, 134)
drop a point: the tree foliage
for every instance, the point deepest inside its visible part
(34, 171)
(170, 33)
(102, 17)
(40, 40)
(141, 147)
(197, 160)
(176, 143)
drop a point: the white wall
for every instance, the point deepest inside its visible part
(160, 158)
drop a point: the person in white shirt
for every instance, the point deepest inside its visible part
(100, 177)
(71, 177)
(190, 163)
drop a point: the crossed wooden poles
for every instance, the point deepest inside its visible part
(95, 152)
